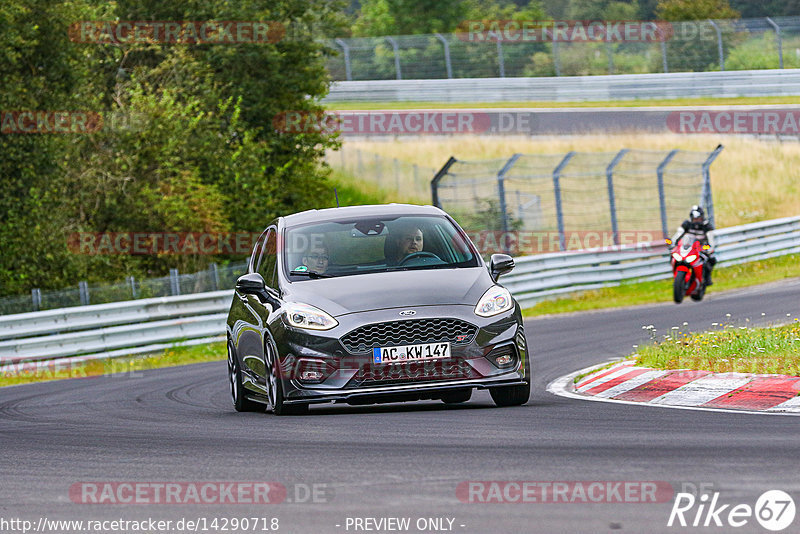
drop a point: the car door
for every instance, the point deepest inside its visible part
(252, 313)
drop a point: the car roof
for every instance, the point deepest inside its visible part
(377, 210)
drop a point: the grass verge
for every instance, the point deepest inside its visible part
(28, 372)
(631, 294)
(732, 349)
(733, 101)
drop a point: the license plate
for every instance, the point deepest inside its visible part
(410, 353)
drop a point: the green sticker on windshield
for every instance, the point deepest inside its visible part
(301, 269)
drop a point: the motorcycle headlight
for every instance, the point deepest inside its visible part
(302, 315)
(676, 256)
(691, 257)
(496, 300)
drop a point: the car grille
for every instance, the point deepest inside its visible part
(402, 373)
(367, 337)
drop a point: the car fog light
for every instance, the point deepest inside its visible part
(503, 360)
(311, 375)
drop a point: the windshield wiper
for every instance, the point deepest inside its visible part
(310, 274)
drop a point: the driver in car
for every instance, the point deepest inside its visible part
(402, 242)
(316, 258)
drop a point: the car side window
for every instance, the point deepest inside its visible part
(255, 256)
(268, 259)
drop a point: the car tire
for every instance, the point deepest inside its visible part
(457, 397)
(281, 408)
(514, 395)
(240, 402)
(511, 395)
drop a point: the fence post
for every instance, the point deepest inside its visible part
(396, 163)
(437, 178)
(214, 272)
(36, 298)
(347, 71)
(378, 170)
(562, 242)
(132, 282)
(662, 201)
(610, 53)
(719, 45)
(396, 56)
(174, 284)
(556, 60)
(448, 65)
(83, 291)
(612, 204)
(663, 42)
(501, 194)
(359, 163)
(501, 61)
(707, 198)
(778, 39)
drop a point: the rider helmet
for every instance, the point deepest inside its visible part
(696, 214)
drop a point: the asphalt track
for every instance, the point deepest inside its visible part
(403, 460)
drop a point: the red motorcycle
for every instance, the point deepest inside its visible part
(688, 265)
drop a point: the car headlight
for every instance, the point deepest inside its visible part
(496, 300)
(302, 315)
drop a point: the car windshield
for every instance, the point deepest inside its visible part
(375, 244)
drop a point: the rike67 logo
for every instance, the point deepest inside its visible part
(774, 510)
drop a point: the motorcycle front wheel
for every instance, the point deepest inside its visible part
(678, 287)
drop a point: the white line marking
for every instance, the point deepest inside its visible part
(791, 405)
(632, 383)
(561, 387)
(700, 391)
(610, 376)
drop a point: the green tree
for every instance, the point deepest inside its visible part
(693, 46)
(676, 10)
(196, 149)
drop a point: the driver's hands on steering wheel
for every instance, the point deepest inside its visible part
(420, 254)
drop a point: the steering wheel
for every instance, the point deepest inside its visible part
(420, 254)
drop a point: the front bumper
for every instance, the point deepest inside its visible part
(352, 377)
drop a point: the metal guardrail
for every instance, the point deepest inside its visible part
(536, 278)
(785, 82)
(104, 329)
(116, 329)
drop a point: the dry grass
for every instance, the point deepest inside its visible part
(751, 180)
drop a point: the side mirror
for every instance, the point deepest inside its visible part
(500, 264)
(250, 283)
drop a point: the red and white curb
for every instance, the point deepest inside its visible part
(696, 390)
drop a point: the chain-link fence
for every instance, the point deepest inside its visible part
(408, 181)
(628, 196)
(710, 45)
(211, 279)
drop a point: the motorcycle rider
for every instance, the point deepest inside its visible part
(700, 227)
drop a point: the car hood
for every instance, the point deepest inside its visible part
(399, 289)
